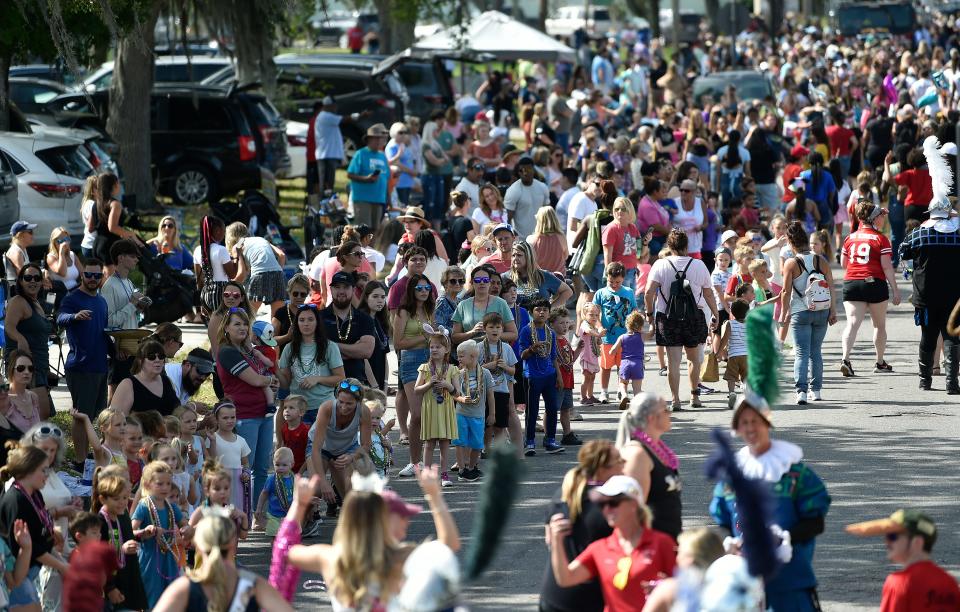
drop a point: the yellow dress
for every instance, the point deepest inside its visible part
(438, 421)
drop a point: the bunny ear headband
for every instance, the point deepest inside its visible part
(440, 331)
(371, 482)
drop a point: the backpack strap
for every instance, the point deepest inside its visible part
(676, 272)
(803, 268)
(687, 267)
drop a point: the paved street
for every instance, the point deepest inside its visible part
(877, 442)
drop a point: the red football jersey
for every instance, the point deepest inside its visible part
(863, 249)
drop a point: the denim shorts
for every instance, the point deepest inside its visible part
(410, 362)
(595, 281)
(330, 456)
(26, 593)
(469, 432)
(566, 399)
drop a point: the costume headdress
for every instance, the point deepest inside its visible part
(942, 216)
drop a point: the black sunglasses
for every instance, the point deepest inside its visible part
(32, 278)
(456, 281)
(299, 294)
(613, 503)
(168, 226)
(24, 368)
(478, 167)
(155, 356)
(94, 275)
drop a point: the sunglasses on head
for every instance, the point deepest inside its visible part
(423, 287)
(232, 294)
(348, 386)
(612, 503)
(24, 368)
(154, 356)
(32, 278)
(482, 280)
(299, 294)
(303, 307)
(93, 275)
(48, 431)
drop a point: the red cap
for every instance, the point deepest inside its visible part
(799, 151)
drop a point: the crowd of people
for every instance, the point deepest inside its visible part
(496, 273)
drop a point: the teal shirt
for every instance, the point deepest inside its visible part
(445, 139)
(363, 163)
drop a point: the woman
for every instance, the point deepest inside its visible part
(21, 239)
(170, 338)
(260, 264)
(691, 216)
(686, 336)
(340, 437)
(651, 215)
(232, 295)
(486, 148)
(532, 281)
(373, 302)
(731, 165)
(416, 310)
(597, 461)
(89, 202)
(23, 501)
(212, 265)
(24, 407)
(414, 222)
(917, 181)
(452, 281)
(468, 318)
(800, 498)
(819, 187)
(108, 215)
(298, 288)
(167, 244)
(438, 164)
(244, 379)
(400, 158)
(491, 211)
(549, 241)
(809, 326)
(624, 562)
(27, 328)
(867, 282)
(621, 240)
(217, 583)
(62, 264)
(350, 257)
(462, 228)
(8, 431)
(310, 365)
(148, 388)
(650, 461)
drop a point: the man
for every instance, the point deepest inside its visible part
(921, 585)
(470, 184)
(328, 147)
(83, 314)
(636, 84)
(355, 38)
(123, 300)
(189, 375)
(504, 235)
(601, 71)
(351, 329)
(764, 145)
(312, 172)
(934, 248)
(570, 183)
(582, 205)
(525, 197)
(369, 172)
(559, 114)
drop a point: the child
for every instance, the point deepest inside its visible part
(172, 456)
(162, 531)
(631, 347)
(381, 449)
(233, 454)
(718, 278)
(732, 344)
(743, 255)
(475, 407)
(113, 498)
(538, 346)
(84, 526)
(264, 345)
(498, 357)
(292, 432)
(747, 294)
(277, 493)
(522, 318)
(15, 568)
(132, 445)
(190, 443)
(615, 302)
(438, 382)
(765, 292)
(589, 333)
(217, 482)
(560, 322)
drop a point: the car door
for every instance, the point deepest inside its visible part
(9, 201)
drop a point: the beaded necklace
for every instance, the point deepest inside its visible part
(166, 538)
(280, 488)
(435, 377)
(565, 354)
(116, 537)
(488, 356)
(659, 448)
(39, 508)
(344, 336)
(471, 398)
(547, 339)
(381, 462)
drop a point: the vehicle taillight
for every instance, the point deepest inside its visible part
(296, 141)
(248, 148)
(94, 160)
(384, 102)
(265, 132)
(55, 190)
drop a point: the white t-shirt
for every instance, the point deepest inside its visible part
(581, 207)
(230, 453)
(472, 190)
(88, 237)
(563, 204)
(218, 257)
(697, 274)
(174, 372)
(524, 201)
(316, 266)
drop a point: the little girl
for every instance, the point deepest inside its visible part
(132, 445)
(190, 443)
(162, 531)
(233, 454)
(216, 492)
(171, 455)
(438, 383)
(590, 332)
(381, 450)
(102, 455)
(631, 360)
(125, 588)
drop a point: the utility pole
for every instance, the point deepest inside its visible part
(675, 6)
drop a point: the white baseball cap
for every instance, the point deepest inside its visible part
(619, 486)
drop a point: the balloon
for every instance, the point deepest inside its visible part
(928, 98)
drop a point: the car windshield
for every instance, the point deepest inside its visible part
(749, 87)
(67, 161)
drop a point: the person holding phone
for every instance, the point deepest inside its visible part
(369, 174)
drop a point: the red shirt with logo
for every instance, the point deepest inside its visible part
(920, 587)
(296, 440)
(863, 249)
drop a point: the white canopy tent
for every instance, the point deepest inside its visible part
(499, 35)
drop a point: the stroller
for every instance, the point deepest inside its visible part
(172, 292)
(261, 218)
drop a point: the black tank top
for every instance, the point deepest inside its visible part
(197, 600)
(144, 399)
(664, 498)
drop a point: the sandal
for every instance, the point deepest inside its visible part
(404, 440)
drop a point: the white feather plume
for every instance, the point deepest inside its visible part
(940, 173)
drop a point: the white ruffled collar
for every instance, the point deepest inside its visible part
(771, 465)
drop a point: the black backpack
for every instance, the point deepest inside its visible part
(681, 305)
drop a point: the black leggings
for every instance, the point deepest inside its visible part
(917, 213)
(933, 323)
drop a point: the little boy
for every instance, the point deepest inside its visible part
(293, 433)
(498, 357)
(765, 292)
(538, 350)
(560, 322)
(381, 449)
(615, 302)
(732, 345)
(265, 348)
(277, 493)
(85, 526)
(747, 294)
(475, 408)
(743, 255)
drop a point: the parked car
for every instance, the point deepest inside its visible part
(50, 173)
(166, 69)
(48, 72)
(689, 25)
(94, 148)
(9, 200)
(297, 148)
(203, 145)
(569, 19)
(30, 94)
(751, 85)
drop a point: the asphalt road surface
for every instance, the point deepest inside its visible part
(877, 442)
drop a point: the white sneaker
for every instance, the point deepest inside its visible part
(604, 398)
(816, 396)
(801, 398)
(408, 471)
(445, 480)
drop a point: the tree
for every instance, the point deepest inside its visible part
(252, 27)
(649, 10)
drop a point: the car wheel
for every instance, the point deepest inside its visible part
(193, 185)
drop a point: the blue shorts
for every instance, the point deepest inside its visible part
(595, 280)
(330, 456)
(26, 593)
(566, 399)
(410, 362)
(469, 432)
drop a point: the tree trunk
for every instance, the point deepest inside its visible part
(129, 118)
(713, 13)
(396, 26)
(542, 15)
(4, 93)
(253, 40)
(649, 10)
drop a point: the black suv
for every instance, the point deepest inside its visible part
(206, 141)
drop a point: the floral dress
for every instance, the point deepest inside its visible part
(439, 416)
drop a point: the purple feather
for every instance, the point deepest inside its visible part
(754, 507)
